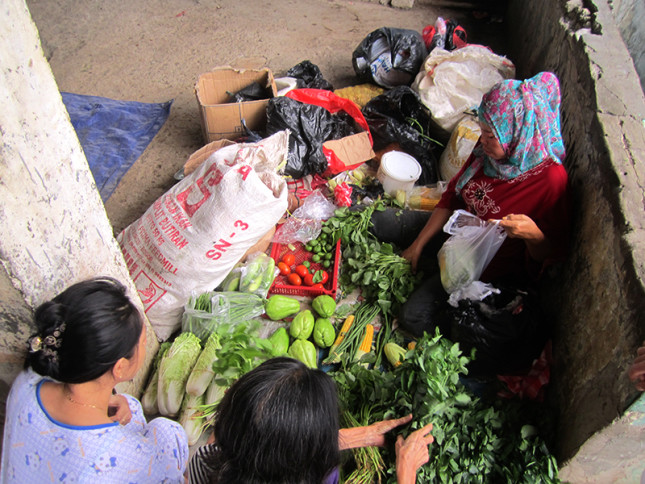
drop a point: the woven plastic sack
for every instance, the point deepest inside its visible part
(194, 234)
(451, 83)
(462, 141)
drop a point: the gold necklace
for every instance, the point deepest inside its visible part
(68, 395)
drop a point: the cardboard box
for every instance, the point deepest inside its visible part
(222, 119)
(352, 150)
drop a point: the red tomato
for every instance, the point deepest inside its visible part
(309, 280)
(284, 268)
(317, 286)
(289, 259)
(294, 279)
(301, 270)
(321, 276)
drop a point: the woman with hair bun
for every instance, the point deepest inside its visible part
(64, 423)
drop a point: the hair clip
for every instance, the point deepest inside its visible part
(51, 354)
(45, 344)
(35, 344)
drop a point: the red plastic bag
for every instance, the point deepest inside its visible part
(332, 103)
(343, 195)
(446, 34)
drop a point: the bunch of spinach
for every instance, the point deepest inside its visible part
(385, 278)
(475, 440)
(242, 349)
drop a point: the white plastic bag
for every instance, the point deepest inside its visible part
(452, 82)
(475, 291)
(469, 249)
(194, 234)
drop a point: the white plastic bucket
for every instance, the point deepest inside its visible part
(398, 171)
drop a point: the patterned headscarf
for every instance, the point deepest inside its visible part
(525, 118)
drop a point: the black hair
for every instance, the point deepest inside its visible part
(278, 424)
(84, 331)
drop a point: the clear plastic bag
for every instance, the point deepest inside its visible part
(305, 223)
(257, 274)
(471, 246)
(205, 312)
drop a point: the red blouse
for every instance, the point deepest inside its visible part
(540, 193)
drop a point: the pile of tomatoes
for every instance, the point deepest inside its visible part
(302, 274)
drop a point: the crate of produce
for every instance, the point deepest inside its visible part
(282, 285)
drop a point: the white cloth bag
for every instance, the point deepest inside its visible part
(194, 234)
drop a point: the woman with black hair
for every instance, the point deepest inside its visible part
(279, 424)
(64, 423)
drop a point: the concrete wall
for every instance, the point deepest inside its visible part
(599, 298)
(630, 18)
(54, 227)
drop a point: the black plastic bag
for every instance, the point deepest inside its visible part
(252, 92)
(399, 116)
(508, 331)
(308, 75)
(310, 127)
(389, 57)
(456, 37)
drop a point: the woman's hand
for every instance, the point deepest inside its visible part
(371, 435)
(123, 414)
(637, 369)
(412, 453)
(412, 255)
(432, 227)
(520, 226)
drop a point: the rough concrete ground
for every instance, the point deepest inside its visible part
(613, 456)
(154, 51)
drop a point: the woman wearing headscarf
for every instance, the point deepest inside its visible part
(514, 175)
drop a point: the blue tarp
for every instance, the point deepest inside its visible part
(113, 133)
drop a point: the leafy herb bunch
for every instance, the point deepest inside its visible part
(475, 441)
(385, 278)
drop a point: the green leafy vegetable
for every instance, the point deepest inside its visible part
(202, 373)
(475, 440)
(174, 370)
(149, 398)
(384, 277)
(242, 349)
(191, 417)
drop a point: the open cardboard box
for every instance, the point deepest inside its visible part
(222, 119)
